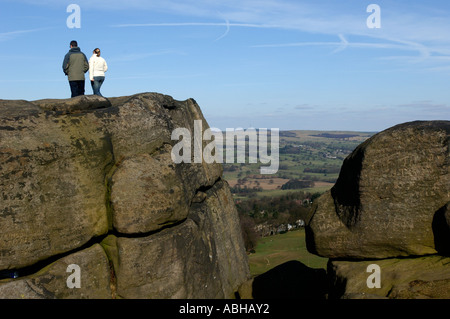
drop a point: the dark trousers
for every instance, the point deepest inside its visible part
(77, 87)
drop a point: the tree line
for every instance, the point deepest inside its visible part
(274, 211)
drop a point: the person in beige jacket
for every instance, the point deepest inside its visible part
(97, 69)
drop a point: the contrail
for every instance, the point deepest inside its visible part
(226, 32)
(344, 44)
(395, 44)
(10, 34)
(201, 24)
(226, 24)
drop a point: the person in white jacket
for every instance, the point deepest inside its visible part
(97, 69)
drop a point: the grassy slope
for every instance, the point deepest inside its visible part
(311, 156)
(275, 250)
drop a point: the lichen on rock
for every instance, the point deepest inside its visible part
(389, 207)
(89, 171)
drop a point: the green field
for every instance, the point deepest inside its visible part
(303, 155)
(278, 249)
(311, 158)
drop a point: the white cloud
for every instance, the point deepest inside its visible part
(304, 107)
(13, 34)
(405, 27)
(400, 20)
(426, 106)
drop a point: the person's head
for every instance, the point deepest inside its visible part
(73, 44)
(96, 51)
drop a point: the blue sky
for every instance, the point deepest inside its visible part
(307, 65)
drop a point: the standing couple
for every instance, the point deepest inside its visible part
(75, 65)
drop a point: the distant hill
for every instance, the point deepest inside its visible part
(331, 135)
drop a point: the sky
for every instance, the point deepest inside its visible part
(293, 65)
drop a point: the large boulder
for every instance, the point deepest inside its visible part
(91, 170)
(201, 257)
(77, 104)
(52, 182)
(390, 198)
(425, 277)
(51, 282)
(151, 186)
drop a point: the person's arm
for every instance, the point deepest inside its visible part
(86, 64)
(91, 69)
(65, 65)
(105, 66)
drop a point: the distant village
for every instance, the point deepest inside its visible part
(266, 229)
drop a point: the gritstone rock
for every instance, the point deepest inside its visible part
(390, 198)
(425, 277)
(85, 171)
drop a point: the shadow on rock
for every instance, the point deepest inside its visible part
(291, 280)
(441, 230)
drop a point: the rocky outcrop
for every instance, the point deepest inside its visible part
(407, 278)
(90, 174)
(201, 257)
(387, 194)
(391, 200)
(51, 281)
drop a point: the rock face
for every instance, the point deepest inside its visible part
(387, 195)
(426, 277)
(201, 257)
(391, 200)
(89, 174)
(51, 281)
